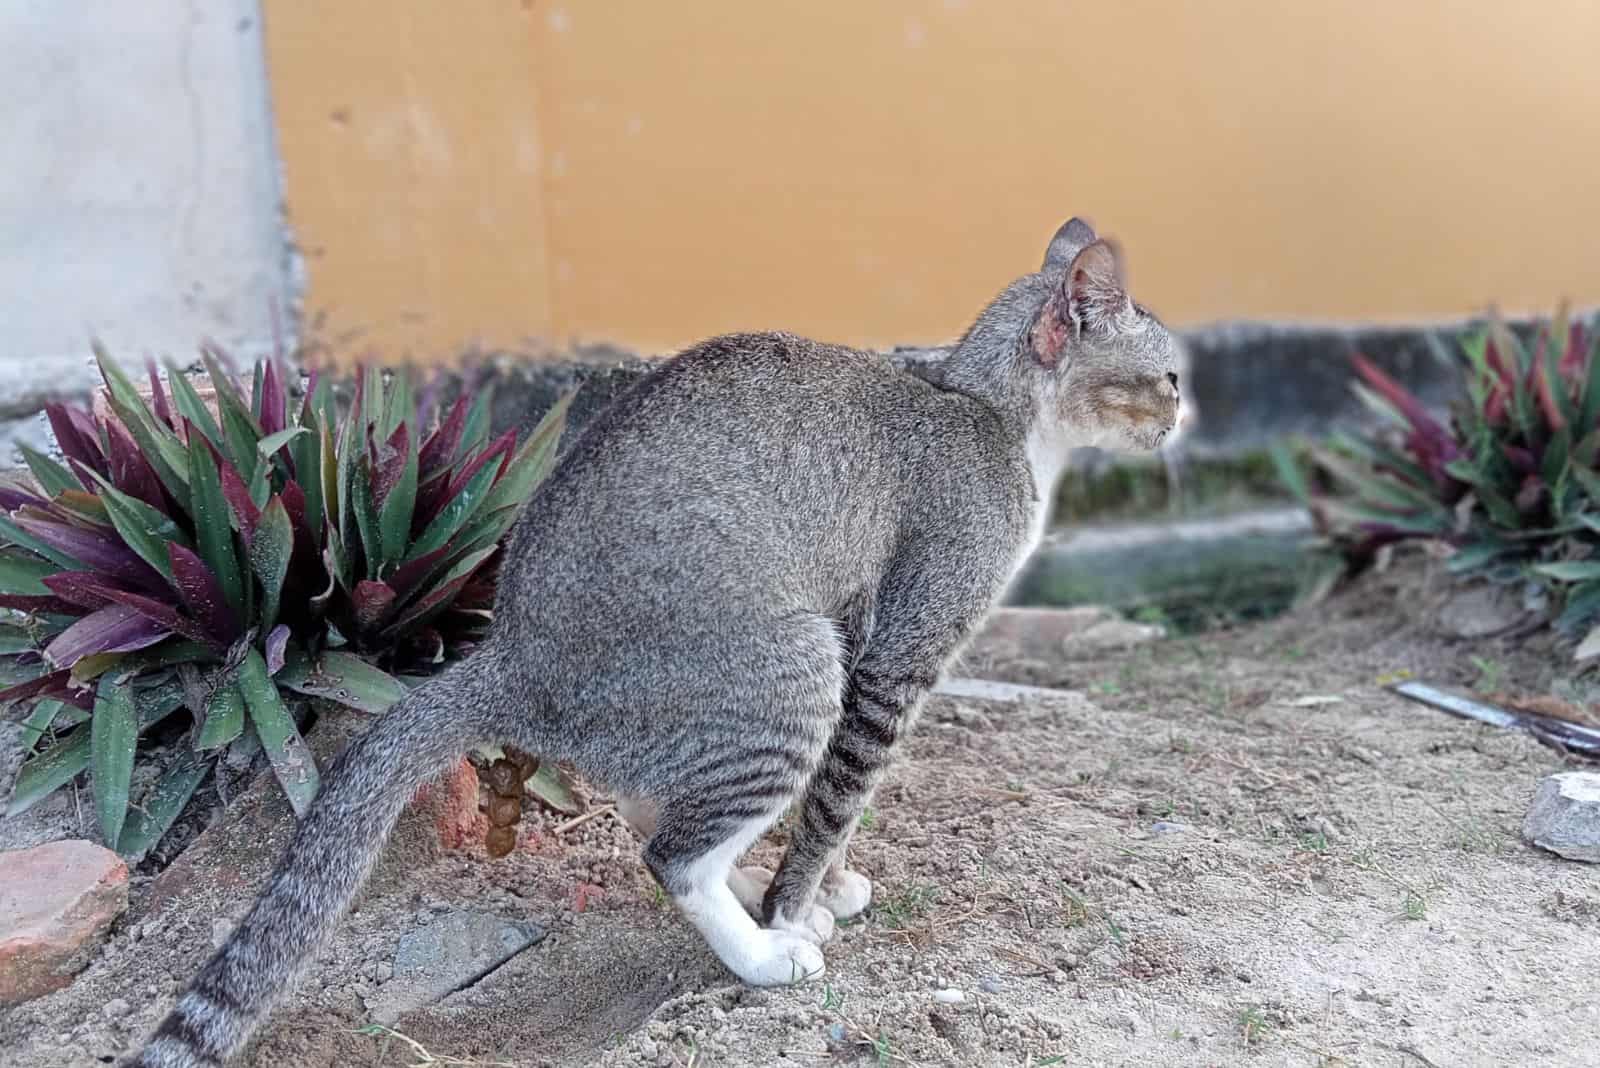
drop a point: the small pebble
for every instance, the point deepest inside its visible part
(989, 985)
(1167, 827)
(648, 1048)
(220, 930)
(836, 1032)
(115, 1007)
(950, 996)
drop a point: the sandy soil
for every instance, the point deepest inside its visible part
(1231, 849)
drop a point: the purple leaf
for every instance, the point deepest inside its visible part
(202, 594)
(441, 444)
(391, 464)
(35, 687)
(12, 498)
(273, 415)
(130, 472)
(113, 629)
(237, 494)
(82, 588)
(158, 395)
(277, 643)
(101, 552)
(27, 602)
(406, 577)
(72, 441)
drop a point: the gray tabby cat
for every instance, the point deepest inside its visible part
(731, 595)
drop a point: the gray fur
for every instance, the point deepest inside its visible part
(731, 595)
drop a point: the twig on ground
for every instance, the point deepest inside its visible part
(578, 821)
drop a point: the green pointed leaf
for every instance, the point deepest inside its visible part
(1589, 400)
(113, 736)
(160, 807)
(157, 443)
(456, 513)
(213, 523)
(533, 461)
(306, 450)
(1409, 523)
(42, 775)
(371, 400)
(1375, 488)
(1571, 570)
(240, 431)
(145, 530)
(394, 520)
(188, 404)
(20, 574)
(15, 535)
(1289, 472)
(224, 718)
(475, 431)
(291, 760)
(366, 514)
(398, 405)
(270, 550)
(52, 477)
(268, 446)
(343, 678)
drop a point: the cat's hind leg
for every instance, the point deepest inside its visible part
(692, 857)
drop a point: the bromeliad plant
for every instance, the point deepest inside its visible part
(216, 557)
(1512, 483)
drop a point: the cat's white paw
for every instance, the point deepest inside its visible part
(845, 894)
(781, 958)
(749, 885)
(816, 924)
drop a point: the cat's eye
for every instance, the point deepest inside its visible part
(1173, 378)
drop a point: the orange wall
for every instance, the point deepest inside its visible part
(496, 171)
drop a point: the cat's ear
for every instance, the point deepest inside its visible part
(1090, 295)
(1073, 236)
(1094, 286)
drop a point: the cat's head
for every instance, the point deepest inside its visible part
(1109, 373)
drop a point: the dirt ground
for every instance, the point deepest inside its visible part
(1232, 849)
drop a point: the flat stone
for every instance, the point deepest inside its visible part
(1041, 633)
(57, 901)
(1006, 693)
(1565, 816)
(451, 953)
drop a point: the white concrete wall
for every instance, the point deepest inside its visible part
(139, 186)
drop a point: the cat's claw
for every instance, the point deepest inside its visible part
(782, 958)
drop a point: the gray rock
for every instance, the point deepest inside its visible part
(1167, 827)
(1565, 816)
(450, 953)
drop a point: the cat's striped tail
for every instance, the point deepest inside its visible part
(332, 852)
